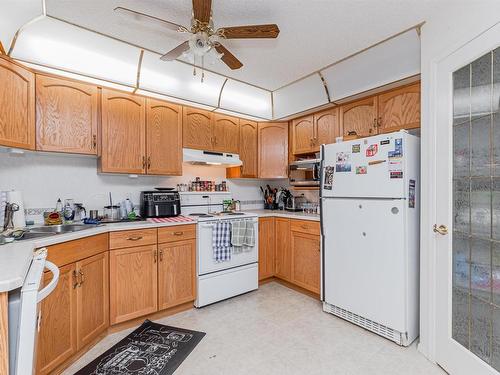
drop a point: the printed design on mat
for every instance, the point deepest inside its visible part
(372, 150)
(343, 162)
(328, 179)
(398, 149)
(152, 349)
(361, 169)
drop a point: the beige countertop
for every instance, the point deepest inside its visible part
(15, 258)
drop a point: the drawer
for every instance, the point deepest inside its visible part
(73, 251)
(131, 238)
(305, 226)
(177, 233)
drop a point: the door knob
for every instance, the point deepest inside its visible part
(441, 229)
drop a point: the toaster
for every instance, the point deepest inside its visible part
(160, 204)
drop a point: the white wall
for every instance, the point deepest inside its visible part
(450, 27)
(44, 177)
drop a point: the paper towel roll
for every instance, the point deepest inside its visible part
(15, 196)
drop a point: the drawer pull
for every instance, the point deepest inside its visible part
(178, 233)
(134, 238)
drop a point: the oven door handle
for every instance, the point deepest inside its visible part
(53, 283)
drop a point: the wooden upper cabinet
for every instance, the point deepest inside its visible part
(303, 135)
(17, 108)
(249, 148)
(123, 133)
(66, 116)
(92, 298)
(327, 127)
(164, 138)
(273, 150)
(132, 282)
(399, 109)
(226, 133)
(57, 339)
(360, 117)
(197, 129)
(176, 273)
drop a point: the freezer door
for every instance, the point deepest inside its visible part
(364, 258)
(371, 167)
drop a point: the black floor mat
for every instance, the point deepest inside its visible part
(152, 349)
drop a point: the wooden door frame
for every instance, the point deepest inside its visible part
(434, 107)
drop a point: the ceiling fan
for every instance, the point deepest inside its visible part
(205, 38)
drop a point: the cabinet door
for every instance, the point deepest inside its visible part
(123, 133)
(248, 148)
(399, 109)
(66, 116)
(164, 138)
(57, 337)
(306, 261)
(360, 117)
(17, 109)
(266, 248)
(92, 298)
(176, 273)
(283, 253)
(197, 129)
(226, 133)
(133, 282)
(303, 135)
(273, 150)
(327, 127)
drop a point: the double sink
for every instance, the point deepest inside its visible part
(39, 232)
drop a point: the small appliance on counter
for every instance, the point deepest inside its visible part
(160, 203)
(295, 203)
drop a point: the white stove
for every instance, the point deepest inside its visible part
(217, 281)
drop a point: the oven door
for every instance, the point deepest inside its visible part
(304, 173)
(206, 263)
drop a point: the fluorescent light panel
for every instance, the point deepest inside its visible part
(243, 98)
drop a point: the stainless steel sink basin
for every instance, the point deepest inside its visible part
(64, 228)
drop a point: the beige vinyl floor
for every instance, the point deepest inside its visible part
(276, 330)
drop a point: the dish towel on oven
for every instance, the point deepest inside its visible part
(221, 242)
(249, 240)
(238, 230)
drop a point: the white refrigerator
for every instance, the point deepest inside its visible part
(370, 233)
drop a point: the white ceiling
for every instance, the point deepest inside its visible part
(314, 33)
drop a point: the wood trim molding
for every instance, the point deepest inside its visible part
(2, 50)
(4, 333)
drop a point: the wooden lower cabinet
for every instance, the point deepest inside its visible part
(305, 253)
(57, 339)
(176, 273)
(133, 282)
(92, 298)
(266, 247)
(283, 250)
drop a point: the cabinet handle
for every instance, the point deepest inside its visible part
(149, 162)
(178, 233)
(75, 278)
(94, 141)
(379, 122)
(134, 238)
(82, 277)
(161, 255)
(155, 256)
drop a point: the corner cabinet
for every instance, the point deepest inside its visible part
(17, 109)
(248, 152)
(66, 116)
(226, 133)
(197, 129)
(273, 150)
(123, 133)
(164, 138)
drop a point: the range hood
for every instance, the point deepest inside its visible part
(200, 157)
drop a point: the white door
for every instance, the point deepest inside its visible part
(467, 208)
(365, 256)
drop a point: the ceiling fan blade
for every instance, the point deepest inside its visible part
(202, 10)
(176, 52)
(251, 31)
(228, 58)
(142, 17)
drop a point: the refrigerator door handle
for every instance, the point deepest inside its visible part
(53, 283)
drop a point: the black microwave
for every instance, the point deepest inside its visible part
(305, 172)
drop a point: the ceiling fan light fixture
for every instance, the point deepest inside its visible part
(200, 43)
